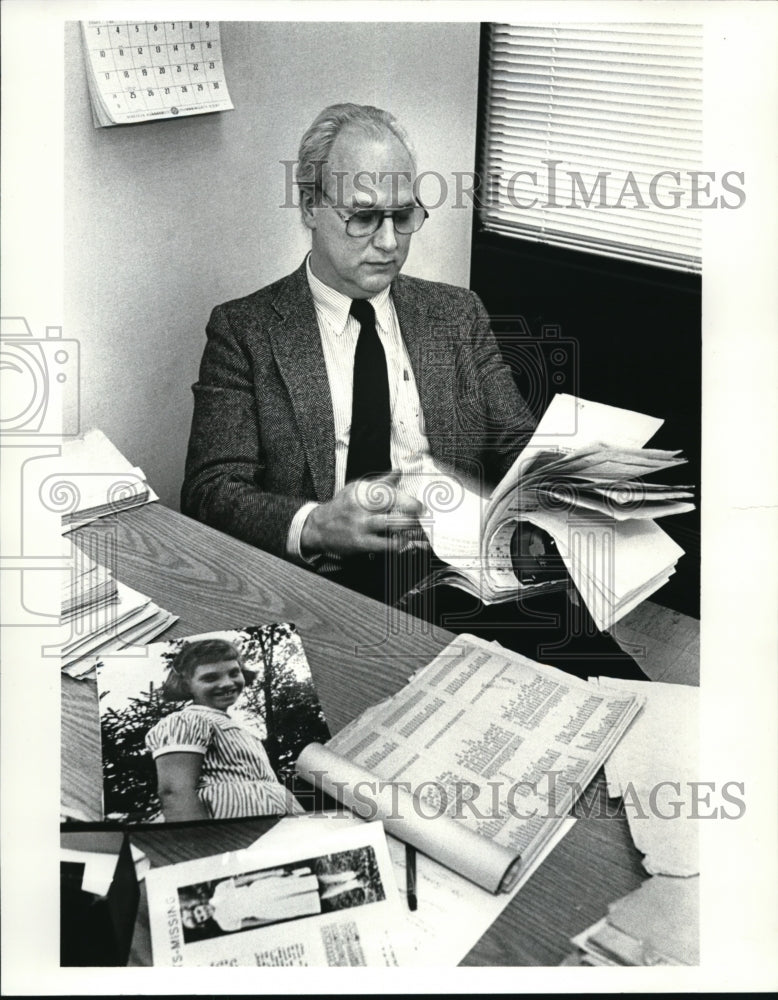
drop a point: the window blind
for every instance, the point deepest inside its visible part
(591, 136)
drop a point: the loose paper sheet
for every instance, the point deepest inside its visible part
(658, 759)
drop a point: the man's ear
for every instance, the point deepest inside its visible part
(306, 208)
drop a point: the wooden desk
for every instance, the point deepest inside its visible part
(360, 651)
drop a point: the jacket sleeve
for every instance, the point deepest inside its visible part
(490, 403)
(224, 479)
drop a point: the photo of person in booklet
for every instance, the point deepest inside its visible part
(207, 727)
(270, 896)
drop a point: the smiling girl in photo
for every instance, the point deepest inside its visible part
(208, 765)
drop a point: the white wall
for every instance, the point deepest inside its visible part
(166, 219)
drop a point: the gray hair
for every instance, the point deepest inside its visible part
(316, 144)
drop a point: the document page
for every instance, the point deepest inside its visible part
(453, 514)
(613, 564)
(288, 904)
(657, 763)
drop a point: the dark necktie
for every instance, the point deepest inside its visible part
(368, 450)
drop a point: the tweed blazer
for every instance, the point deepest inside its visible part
(263, 438)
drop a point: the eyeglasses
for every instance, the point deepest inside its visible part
(367, 221)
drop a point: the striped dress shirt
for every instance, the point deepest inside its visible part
(236, 778)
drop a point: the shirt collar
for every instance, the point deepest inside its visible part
(207, 708)
(335, 305)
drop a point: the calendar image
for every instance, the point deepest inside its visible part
(145, 70)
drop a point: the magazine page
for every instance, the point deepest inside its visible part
(282, 905)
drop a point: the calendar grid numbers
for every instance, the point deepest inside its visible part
(146, 70)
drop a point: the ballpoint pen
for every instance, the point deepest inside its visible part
(410, 876)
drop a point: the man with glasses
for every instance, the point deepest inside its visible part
(323, 395)
(278, 456)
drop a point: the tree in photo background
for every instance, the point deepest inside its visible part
(281, 700)
(129, 774)
(288, 704)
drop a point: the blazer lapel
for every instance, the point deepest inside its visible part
(296, 343)
(427, 337)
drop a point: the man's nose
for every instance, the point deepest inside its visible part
(385, 237)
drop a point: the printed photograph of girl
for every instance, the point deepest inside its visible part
(273, 895)
(207, 727)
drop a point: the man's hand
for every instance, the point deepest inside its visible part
(365, 516)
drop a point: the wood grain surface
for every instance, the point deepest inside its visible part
(360, 651)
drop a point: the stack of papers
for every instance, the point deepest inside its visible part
(655, 770)
(615, 565)
(603, 528)
(578, 479)
(605, 480)
(89, 587)
(102, 615)
(101, 479)
(657, 924)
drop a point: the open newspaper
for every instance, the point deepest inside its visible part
(580, 479)
(477, 761)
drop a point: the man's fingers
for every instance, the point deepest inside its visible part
(381, 524)
(392, 542)
(404, 503)
(383, 495)
(376, 494)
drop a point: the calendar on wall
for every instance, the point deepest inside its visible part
(145, 70)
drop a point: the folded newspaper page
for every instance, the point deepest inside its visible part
(477, 760)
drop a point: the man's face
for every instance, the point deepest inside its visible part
(363, 172)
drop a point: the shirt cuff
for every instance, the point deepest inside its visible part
(293, 550)
(178, 748)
